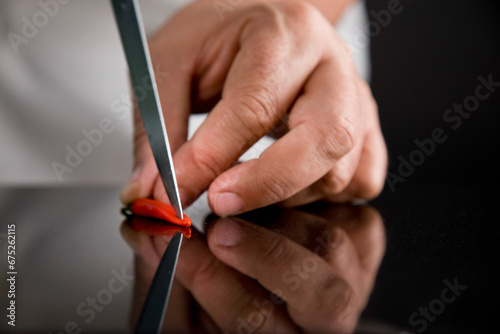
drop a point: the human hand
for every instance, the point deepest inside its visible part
(262, 62)
(304, 272)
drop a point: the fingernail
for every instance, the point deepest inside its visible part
(132, 188)
(226, 204)
(227, 233)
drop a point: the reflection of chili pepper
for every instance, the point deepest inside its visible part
(146, 207)
(155, 227)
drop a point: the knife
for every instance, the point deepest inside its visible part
(134, 42)
(154, 308)
(128, 18)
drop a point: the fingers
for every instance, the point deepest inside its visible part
(326, 126)
(367, 163)
(318, 298)
(264, 61)
(368, 180)
(230, 300)
(234, 302)
(146, 261)
(266, 75)
(365, 229)
(334, 182)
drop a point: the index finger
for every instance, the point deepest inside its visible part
(265, 77)
(229, 298)
(326, 124)
(319, 299)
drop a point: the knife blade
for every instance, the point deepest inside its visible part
(136, 49)
(154, 308)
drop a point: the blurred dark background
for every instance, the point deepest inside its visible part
(425, 60)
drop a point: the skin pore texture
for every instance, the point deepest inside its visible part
(263, 61)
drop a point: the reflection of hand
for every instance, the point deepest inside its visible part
(264, 60)
(323, 267)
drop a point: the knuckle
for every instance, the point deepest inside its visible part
(206, 164)
(333, 183)
(344, 133)
(267, 11)
(333, 302)
(273, 187)
(338, 138)
(301, 12)
(257, 111)
(266, 19)
(282, 22)
(297, 8)
(337, 299)
(276, 253)
(293, 10)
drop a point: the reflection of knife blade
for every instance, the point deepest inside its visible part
(153, 311)
(142, 75)
(141, 72)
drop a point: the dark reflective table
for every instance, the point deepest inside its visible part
(421, 259)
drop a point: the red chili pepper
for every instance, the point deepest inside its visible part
(146, 207)
(155, 227)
